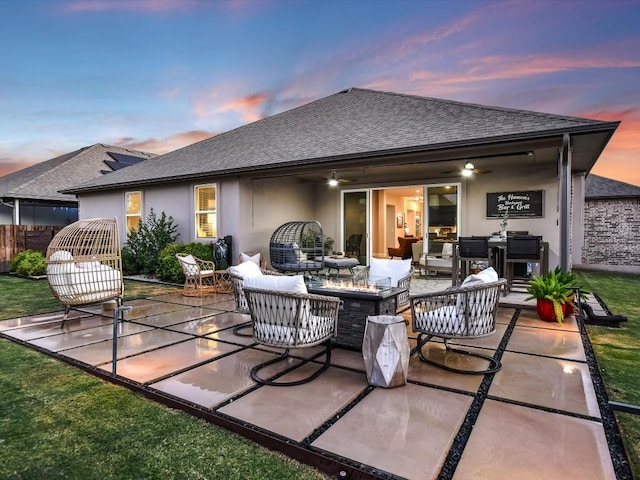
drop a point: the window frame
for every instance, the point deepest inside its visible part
(198, 212)
(128, 215)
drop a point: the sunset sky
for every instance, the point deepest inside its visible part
(156, 75)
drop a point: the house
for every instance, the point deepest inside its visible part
(31, 196)
(398, 165)
(611, 225)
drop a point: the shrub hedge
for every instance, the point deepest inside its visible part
(29, 263)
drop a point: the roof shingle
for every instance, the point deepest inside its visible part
(349, 124)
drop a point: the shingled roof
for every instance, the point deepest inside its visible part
(44, 180)
(597, 187)
(355, 123)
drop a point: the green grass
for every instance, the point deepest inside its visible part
(59, 422)
(616, 350)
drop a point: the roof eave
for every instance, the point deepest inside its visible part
(599, 127)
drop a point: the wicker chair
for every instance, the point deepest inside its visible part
(84, 265)
(457, 313)
(199, 275)
(236, 275)
(297, 247)
(291, 320)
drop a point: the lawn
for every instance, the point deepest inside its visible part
(616, 350)
(60, 422)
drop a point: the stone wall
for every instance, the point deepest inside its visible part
(612, 232)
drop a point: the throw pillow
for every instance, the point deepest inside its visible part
(284, 283)
(394, 269)
(61, 255)
(250, 258)
(245, 269)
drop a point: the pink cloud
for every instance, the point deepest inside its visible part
(165, 145)
(13, 166)
(621, 157)
(249, 107)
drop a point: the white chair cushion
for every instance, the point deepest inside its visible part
(246, 269)
(447, 251)
(250, 258)
(487, 275)
(394, 269)
(61, 255)
(444, 320)
(279, 283)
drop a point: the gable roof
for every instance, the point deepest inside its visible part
(43, 180)
(352, 124)
(597, 187)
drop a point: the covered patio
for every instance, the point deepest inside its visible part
(544, 415)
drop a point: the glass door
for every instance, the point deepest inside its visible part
(442, 214)
(355, 224)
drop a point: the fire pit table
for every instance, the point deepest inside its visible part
(359, 301)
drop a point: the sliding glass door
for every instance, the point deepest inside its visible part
(442, 216)
(373, 219)
(355, 224)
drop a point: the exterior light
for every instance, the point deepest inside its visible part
(468, 166)
(333, 181)
(466, 173)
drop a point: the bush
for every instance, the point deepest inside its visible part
(144, 244)
(29, 263)
(169, 269)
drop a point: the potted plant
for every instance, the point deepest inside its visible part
(555, 294)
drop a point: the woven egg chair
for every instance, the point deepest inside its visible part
(297, 247)
(84, 264)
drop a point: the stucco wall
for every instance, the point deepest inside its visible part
(250, 210)
(612, 232)
(474, 205)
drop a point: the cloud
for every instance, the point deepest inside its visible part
(9, 166)
(164, 145)
(621, 157)
(147, 6)
(248, 108)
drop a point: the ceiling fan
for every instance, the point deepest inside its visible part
(334, 180)
(468, 170)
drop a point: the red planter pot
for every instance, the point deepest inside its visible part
(545, 310)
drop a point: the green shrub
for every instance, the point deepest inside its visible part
(144, 244)
(29, 263)
(169, 269)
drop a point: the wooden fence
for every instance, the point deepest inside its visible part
(18, 238)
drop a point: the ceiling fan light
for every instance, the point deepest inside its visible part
(466, 172)
(333, 181)
(468, 166)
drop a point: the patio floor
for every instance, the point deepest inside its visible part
(544, 415)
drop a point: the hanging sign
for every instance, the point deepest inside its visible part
(518, 204)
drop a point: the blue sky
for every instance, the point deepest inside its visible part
(156, 75)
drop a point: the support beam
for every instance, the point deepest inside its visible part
(565, 201)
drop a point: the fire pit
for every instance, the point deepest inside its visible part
(359, 300)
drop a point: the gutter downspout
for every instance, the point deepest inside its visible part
(16, 211)
(565, 198)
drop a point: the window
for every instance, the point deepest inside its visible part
(133, 209)
(205, 202)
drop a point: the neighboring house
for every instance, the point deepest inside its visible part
(31, 196)
(611, 225)
(398, 161)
